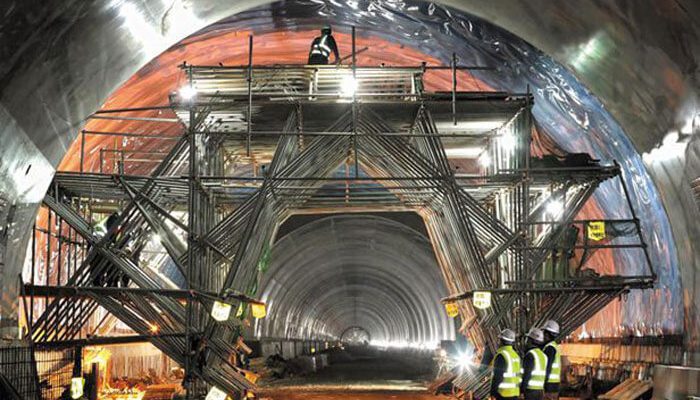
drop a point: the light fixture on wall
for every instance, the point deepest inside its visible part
(187, 92)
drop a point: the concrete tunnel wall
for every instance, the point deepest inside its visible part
(60, 63)
(349, 271)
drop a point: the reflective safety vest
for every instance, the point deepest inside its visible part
(555, 373)
(321, 47)
(539, 370)
(510, 386)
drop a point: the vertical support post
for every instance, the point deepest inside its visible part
(190, 243)
(354, 104)
(250, 95)
(454, 88)
(101, 159)
(58, 261)
(31, 277)
(526, 138)
(636, 221)
(24, 305)
(82, 150)
(48, 254)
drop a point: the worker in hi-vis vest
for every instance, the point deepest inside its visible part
(322, 47)
(534, 366)
(505, 378)
(551, 350)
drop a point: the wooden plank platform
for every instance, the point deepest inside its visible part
(630, 389)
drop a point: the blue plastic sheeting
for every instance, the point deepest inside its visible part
(564, 109)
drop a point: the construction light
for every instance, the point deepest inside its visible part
(153, 328)
(259, 310)
(464, 152)
(77, 386)
(220, 311)
(555, 207)
(464, 359)
(215, 394)
(187, 92)
(348, 86)
(485, 160)
(507, 141)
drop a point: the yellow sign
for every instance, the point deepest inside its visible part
(76, 387)
(259, 310)
(220, 311)
(596, 230)
(251, 376)
(482, 300)
(452, 309)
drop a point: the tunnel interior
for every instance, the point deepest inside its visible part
(340, 275)
(565, 112)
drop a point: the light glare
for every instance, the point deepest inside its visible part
(348, 86)
(187, 92)
(485, 160)
(507, 141)
(555, 207)
(465, 359)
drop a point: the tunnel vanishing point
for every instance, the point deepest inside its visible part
(177, 182)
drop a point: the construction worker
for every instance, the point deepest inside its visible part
(534, 366)
(505, 378)
(551, 350)
(322, 47)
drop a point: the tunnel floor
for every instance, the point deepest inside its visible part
(367, 375)
(338, 394)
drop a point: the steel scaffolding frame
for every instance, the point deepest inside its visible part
(334, 147)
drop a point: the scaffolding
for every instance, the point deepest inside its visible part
(327, 139)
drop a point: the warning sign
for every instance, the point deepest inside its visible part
(452, 309)
(596, 230)
(482, 300)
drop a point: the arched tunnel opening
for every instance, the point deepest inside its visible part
(195, 211)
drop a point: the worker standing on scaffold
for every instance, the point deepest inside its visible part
(505, 378)
(534, 366)
(322, 47)
(553, 353)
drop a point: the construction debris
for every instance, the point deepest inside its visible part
(630, 389)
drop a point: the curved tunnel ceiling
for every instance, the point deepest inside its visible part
(648, 80)
(348, 271)
(565, 110)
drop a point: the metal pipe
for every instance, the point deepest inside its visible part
(250, 94)
(454, 89)
(130, 134)
(203, 68)
(142, 119)
(354, 104)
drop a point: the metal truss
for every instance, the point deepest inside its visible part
(377, 148)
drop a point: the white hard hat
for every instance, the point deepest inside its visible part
(536, 335)
(507, 335)
(551, 326)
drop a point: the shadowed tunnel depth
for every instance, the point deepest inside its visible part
(348, 271)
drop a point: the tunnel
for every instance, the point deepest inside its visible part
(363, 225)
